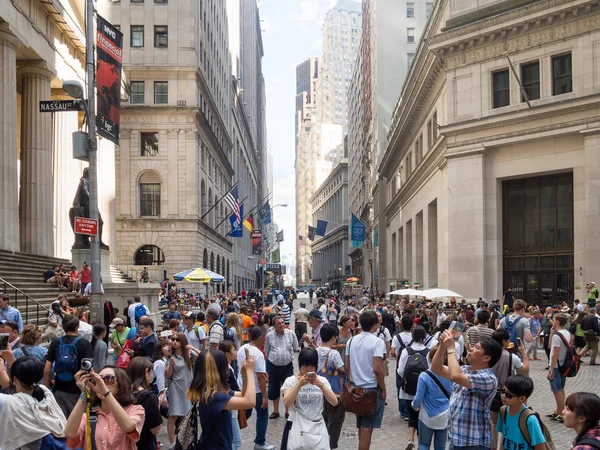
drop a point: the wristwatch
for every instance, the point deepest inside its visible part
(449, 352)
(103, 396)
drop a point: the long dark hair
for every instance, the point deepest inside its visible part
(184, 350)
(587, 405)
(210, 376)
(136, 371)
(28, 371)
(98, 329)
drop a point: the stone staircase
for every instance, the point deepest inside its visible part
(21, 279)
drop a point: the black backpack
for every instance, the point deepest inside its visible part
(415, 365)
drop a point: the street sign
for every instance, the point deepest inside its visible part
(83, 225)
(61, 105)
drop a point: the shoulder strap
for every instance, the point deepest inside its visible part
(589, 441)
(326, 360)
(523, 416)
(562, 337)
(440, 385)
(510, 362)
(349, 357)
(503, 413)
(24, 350)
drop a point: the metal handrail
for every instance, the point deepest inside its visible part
(129, 271)
(15, 302)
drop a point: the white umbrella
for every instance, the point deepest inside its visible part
(437, 293)
(406, 292)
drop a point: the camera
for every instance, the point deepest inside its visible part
(87, 364)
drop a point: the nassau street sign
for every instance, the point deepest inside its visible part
(61, 105)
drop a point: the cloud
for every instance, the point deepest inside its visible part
(284, 191)
(311, 11)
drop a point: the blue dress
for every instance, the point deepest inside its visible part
(216, 423)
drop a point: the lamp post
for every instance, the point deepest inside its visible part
(75, 90)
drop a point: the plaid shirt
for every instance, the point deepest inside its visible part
(470, 409)
(594, 433)
(280, 349)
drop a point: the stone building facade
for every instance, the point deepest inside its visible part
(42, 44)
(490, 178)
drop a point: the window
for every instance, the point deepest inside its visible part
(161, 92)
(410, 10)
(562, 77)
(428, 8)
(530, 78)
(137, 35)
(149, 144)
(434, 129)
(149, 199)
(501, 88)
(161, 36)
(137, 1)
(161, 1)
(137, 92)
(410, 35)
(149, 255)
(409, 59)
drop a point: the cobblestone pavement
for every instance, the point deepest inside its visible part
(394, 432)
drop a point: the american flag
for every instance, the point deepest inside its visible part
(232, 201)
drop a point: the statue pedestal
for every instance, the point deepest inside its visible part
(79, 255)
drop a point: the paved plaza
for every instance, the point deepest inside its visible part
(394, 432)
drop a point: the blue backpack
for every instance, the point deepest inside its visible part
(511, 327)
(65, 364)
(51, 442)
(139, 312)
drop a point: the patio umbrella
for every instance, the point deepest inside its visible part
(352, 280)
(437, 293)
(406, 292)
(199, 275)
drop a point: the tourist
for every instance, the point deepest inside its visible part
(399, 342)
(535, 326)
(577, 329)
(561, 339)
(233, 325)
(230, 351)
(546, 325)
(179, 372)
(145, 337)
(582, 413)
(31, 340)
(160, 356)
(303, 395)
(481, 330)
(257, 340)
(216, 331)
(591, 328)
(65, 387)
(301, 319)
(85, 276)
(32, 419)
(193, 332)
(473, 390)
(135, 311)
(347, 324)
(315, 321)
(364, 365)
(141, 373)
(280, 347)
(432, 402)
(592, 293)
(118, 337)
(99, 346)
(119, 420)
(520, 324)
(74, 282)
(172, 313)
(10, 314)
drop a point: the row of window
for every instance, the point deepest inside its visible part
(562, 80)
(161, 92)
(410, 9)
(161, 36)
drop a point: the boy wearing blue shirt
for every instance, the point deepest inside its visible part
(516, 391)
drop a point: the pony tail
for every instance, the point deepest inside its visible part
(38, 393)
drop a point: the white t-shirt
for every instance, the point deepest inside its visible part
(193, 338)
(361, 350)
(384, 334)
(131, 313)
(440, 318)
(260, 366)
(86, 330)
(323, 309)
(88, 289)
(310, 398)
(406, 337)
(558, 342)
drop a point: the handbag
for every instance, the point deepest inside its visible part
(334, 378)
(357, 400)
(308, 434)
(187, 433)
(124, 358)
(241, 418)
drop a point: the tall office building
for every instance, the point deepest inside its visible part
(391, 34)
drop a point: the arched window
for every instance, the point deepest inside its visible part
(149, 186)
(203, 200)
(149, 255)
(209, 217)
(205, 259)
(212, 261)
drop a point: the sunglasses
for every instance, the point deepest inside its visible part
(506, 393)
(176, 340)
(109, 379)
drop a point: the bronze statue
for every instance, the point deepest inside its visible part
(81, 208)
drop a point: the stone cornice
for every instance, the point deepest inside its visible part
(530, 26)
(339, 234)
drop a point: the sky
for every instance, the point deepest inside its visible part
(291, 34)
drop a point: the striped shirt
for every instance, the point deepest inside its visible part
(477, 333)
(287, 312)
(280, 349)
(470, 409)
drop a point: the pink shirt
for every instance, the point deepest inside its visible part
(108, 435)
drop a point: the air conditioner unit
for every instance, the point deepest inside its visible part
(181, 102)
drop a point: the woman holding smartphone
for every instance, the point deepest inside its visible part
(179, 372)
(141, 373)
(306, 408)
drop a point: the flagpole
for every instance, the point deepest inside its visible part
(249, 212)
(219, 201)
(227, 217)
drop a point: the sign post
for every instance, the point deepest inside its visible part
(61, 105)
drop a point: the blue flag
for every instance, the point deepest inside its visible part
(311, 233)
(358, 230)
(236, 225)
(265, 214)
(321, 227)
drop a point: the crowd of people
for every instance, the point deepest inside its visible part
(203, 369)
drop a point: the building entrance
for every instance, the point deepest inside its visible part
(537, 215)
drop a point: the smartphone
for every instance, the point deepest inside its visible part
(162, 391)
(4, 341)
(460, 327)
(519, 342)
(166, 333)
(311, 374)
(247, 350)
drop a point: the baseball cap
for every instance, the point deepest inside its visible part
(116, 321)
(316, 314)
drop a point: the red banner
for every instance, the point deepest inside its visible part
(109, 42)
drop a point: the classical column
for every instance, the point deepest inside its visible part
(9, 200)
(36, 201)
